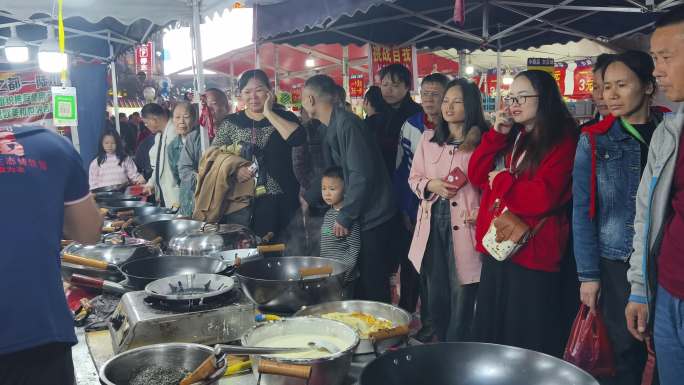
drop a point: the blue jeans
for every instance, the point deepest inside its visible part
(669, 337)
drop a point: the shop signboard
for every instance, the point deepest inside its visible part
(25, 97)
(357, 87)
(144, 58)
(383, 56)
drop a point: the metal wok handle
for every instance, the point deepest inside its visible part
(381, 335)
(282, 369)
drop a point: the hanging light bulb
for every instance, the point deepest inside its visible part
(507, 79)
(49, 57)
(310, 62)
(469, 70)
(16, 50)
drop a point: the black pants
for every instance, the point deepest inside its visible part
(377, 261)
(43, 365)
(519, 307)
(630, 354)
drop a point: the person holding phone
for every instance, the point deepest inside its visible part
(272, 133)
(443, 245)
(535, 136)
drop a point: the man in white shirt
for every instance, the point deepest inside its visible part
(162, 183)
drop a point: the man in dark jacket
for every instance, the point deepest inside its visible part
(396, 84)
(368, 199)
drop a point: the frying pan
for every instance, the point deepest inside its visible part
(471, 363)
(113, 207)
(117, 187)
(141, 271)
(146, 211)
(113, 196)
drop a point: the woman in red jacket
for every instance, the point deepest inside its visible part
(518, 299)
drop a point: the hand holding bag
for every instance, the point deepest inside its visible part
(508, 233)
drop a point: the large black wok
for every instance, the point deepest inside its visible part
(114, 207)
(166, 230)
(117, 187)
(139, 272)
(146, 211)
(285, 284)
(470, 363)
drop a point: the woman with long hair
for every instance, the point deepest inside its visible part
(112, 166)
(611, 157)
(534, 137)
(270, 132)
(443, 246)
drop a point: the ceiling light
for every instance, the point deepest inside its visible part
(469, 70)
(507, 80)
(16, 50)
(49, 57)
(310, 62)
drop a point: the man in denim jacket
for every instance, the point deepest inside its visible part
(656, 271)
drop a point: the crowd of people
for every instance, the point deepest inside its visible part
(434, 191)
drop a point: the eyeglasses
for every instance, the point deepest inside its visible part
(430, 95)
(519, 100)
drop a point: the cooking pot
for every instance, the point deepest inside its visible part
(166, 230)
(281, 370)
(120, 369)
(117, 188)
(285, 284)
(471, 363)
(376, 342)
(141, 271)
(117, 249)
(211, 239)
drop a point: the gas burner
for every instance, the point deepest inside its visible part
(187, 306)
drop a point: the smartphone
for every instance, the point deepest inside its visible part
(457, 178)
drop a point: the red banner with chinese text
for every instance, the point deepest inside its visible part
(26, 97)
(584, 80)
(383, 56)
(144, 58)
(357, 88)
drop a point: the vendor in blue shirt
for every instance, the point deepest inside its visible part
(43, 194)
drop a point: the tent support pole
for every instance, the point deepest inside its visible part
(461, 62)
(345, 68)
(199, 67)
(414, 64)
(499, 78)
(115, 90)
(371, 81)
(276, 64)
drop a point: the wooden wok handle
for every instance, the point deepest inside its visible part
(381, 335)
(275, 248)
(76, 260)
(109, 229)
(156, 241)
(203, 371)
(127, 224)
(104, 212)
(323, 270)
(282, 369)
(126, 214)
(117, 224)
(82, 280)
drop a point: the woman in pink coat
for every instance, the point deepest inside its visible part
(443, 245)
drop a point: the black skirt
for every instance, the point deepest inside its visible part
(519, 307)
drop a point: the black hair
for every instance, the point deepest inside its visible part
(602, 62)
(334, 172)
(154, 109)
(253, 74)
(397, 72)
(638, 62)
(674, 15)
(219, 94)
(122, 115)
(120, 150)
(472, 106)
(554, 122)
(134, 114)
(341, 94)
(374, 97)
(192, 109)
(436, 77)
(323, 86)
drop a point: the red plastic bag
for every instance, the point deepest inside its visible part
(589, 347)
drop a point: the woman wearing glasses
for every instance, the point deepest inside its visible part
(524, 165)
(443, 246)
(611, 156)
